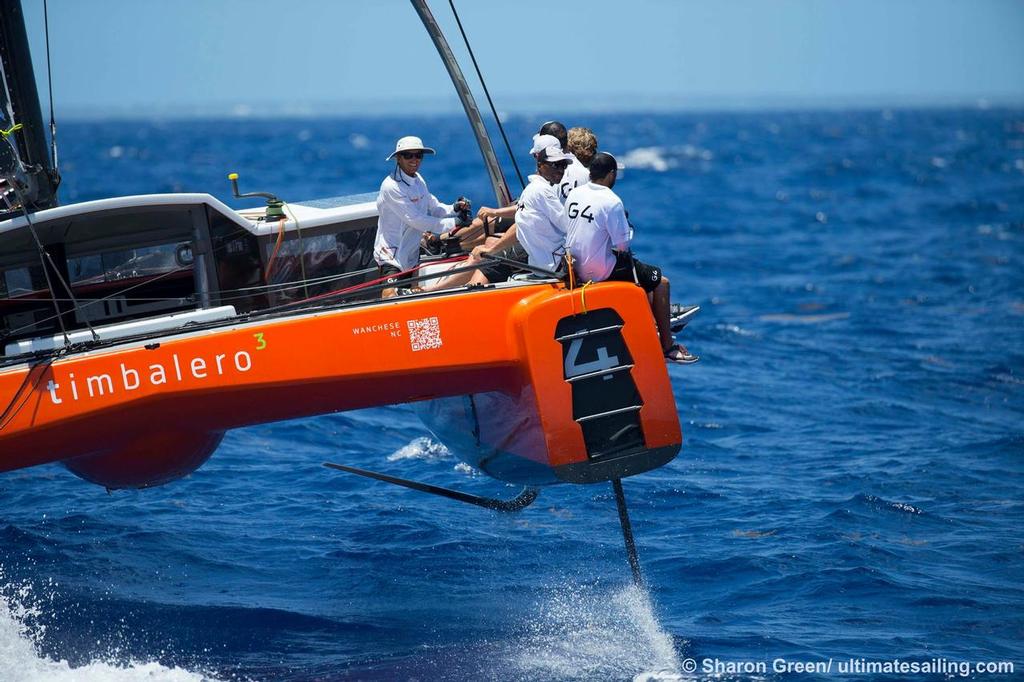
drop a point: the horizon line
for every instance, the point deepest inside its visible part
(444, 106)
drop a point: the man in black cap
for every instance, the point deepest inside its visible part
(598, 240)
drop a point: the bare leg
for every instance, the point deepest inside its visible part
(458, 279)
(661, 307)
(449, 281)
(478, 278)
(472, 235)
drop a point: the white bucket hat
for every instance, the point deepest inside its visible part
(550, 147)
(409, 143)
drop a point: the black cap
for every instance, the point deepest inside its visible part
(602, 164)
(557, 129)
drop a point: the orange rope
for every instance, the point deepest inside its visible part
(572, 278)
(583, 295)
(273, 255)
(572, 284)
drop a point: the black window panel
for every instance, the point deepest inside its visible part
(236, 261)
(593, 348)
(604, 393)
(613, 435)
(25, 306)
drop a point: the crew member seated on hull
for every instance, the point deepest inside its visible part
(582, 143)
(538, 235)
(473, 239)
(598, 244)
(576, 173)
(541, 240)
(579, 143)
(406, 211)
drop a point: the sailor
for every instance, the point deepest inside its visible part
(582, 145)
(407, 210)
(598, 241)
(538, 236)
(576, 174)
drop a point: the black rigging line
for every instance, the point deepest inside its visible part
(13, 182)
(240, 292)
(49, 84)
(77, 307)
(488, 94)
(45, 257)
(93, 301)
(21, 396)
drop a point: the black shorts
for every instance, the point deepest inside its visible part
(391, 272)
(647, 276)
(496, 271)
(500, 225)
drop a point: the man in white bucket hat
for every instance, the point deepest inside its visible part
(407, 209)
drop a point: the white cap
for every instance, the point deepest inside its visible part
(549, 147)
(409, 143)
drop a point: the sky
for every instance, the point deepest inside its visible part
(358, 56)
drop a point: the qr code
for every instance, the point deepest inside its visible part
(424, 334)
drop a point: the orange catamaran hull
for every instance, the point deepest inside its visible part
(143, 412)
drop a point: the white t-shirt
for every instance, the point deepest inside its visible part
(575, 175)
(407, 209)
(540, 223)
(597, 223)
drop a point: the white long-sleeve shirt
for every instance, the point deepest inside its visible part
(597, 222)
(407, 209)
(575, 175)
(540, 223)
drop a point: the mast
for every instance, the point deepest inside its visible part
(501, 191)
(19, 103)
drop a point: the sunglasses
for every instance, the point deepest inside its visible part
(411, 155)
(557, 164)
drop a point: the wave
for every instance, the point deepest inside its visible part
(421, 448)
(803, 319)
(583, 633)
(662, 159)
(875, 502)
(22, 661)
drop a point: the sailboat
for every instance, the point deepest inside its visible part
(136, 330)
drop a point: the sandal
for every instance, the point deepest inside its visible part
(679, 315)
(679, 355)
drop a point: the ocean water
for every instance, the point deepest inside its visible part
(851, 484)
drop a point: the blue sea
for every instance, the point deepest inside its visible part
(851, 484)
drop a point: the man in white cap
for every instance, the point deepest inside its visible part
(407, 210)
(538, 236)
(598, 242)
(576, 173)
